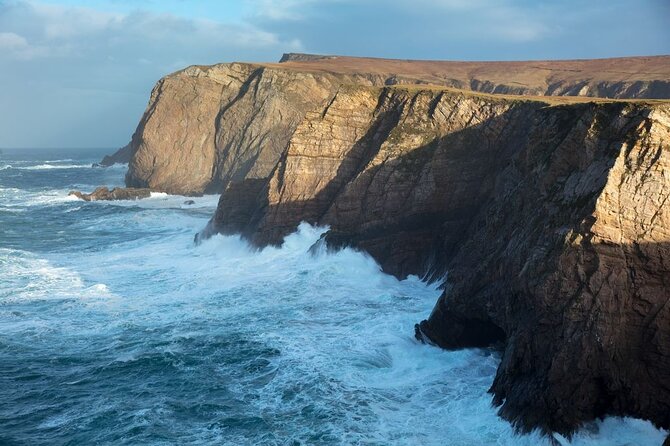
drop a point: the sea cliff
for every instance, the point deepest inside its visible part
(546, 218)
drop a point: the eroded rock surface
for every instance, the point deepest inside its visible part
(209, 126)
(551, 221)
(569, 260)
(549, 217)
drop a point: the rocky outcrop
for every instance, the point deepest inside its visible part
(208, 126)
(118, 193)
(302, 57)
(546, 218)
(121, 156)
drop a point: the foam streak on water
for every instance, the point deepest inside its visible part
(116, 329)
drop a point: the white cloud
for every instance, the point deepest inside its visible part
(60, 31)
(499, 20)
(17, 46)
(69, 22)
(291, 10)
(56, 60)
(12, 41)
(504, 20)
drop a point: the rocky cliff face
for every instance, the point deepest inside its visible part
(549, 219)
(567, 262)
(208, 126)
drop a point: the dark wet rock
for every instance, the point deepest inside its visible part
(208, 231)
(121, 156)
(118, 193)
(189, 202)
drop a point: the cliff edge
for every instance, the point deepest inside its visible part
(206, 126)
(546, 218)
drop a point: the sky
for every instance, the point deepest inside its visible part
(78, 74)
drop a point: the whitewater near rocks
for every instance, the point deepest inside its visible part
(116, 329)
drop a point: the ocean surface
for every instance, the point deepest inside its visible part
(115, 329)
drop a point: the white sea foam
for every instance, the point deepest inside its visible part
(56, 166)
(27, 276)
(161, 200)
(49, 197)
(117, 166)
(344, 330)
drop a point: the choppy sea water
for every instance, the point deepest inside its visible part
(116, 329)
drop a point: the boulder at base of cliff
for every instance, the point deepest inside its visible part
(118, 193)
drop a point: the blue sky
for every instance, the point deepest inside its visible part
(78, 73)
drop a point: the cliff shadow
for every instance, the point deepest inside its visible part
(412, 212)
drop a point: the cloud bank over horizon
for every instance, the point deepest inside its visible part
(78, 73)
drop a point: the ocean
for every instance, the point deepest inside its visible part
(116, 329)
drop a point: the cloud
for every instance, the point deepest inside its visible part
(287, 10)
(403, 23)
(14, 45)
(84, 71)
(56, 60)
(78, 31)
(11, 41)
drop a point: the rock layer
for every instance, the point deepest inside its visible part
(547, 219)
(551, 221)
(208, 126)
(569, 263)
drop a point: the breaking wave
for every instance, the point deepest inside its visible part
(116, 329)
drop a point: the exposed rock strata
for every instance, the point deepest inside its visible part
(569, 262)
(209, 126)
(552, 222)
(551, 219)
(118, 193)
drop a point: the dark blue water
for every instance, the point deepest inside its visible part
(115, 329)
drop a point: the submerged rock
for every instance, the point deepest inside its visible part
(118, 193)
